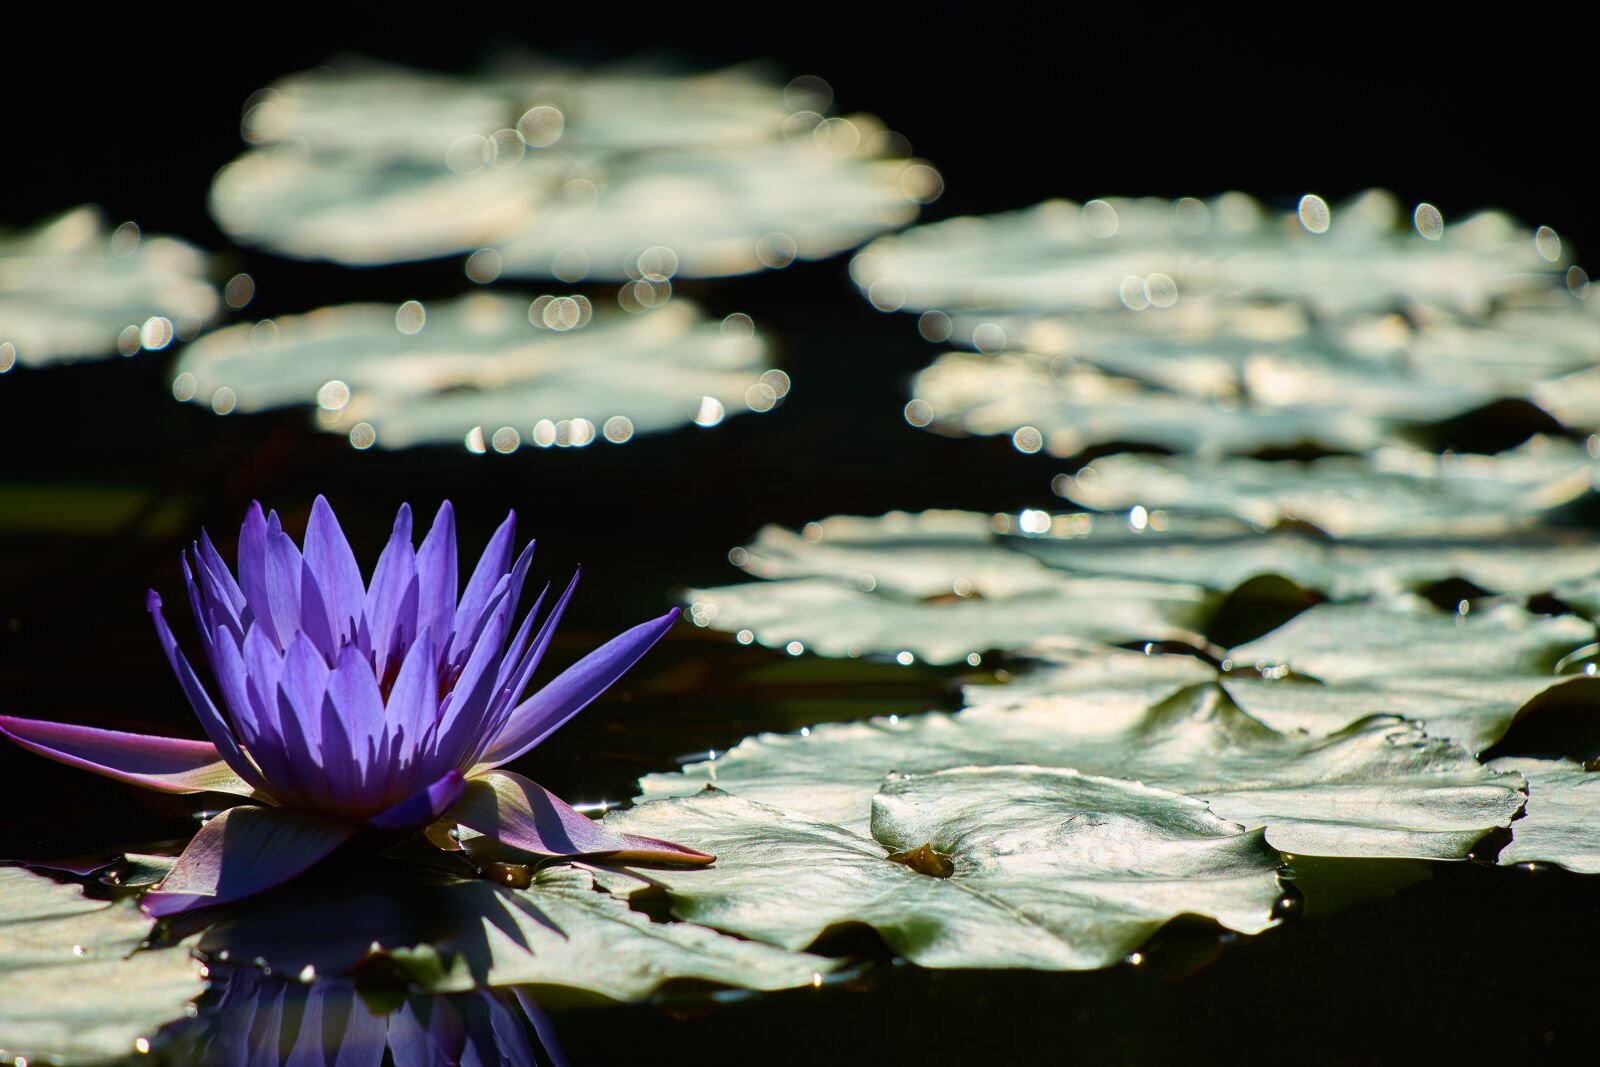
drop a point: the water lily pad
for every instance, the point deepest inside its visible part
(1378, 787)
(1060, 256)
(558, 931)
(71, 290)
(1221, 555)
(54, 945)
(1562, 823)
(1464, 676)
(1395, 491)
(477, 369)
(1018, 391)
(1014, 866)
(553, 172)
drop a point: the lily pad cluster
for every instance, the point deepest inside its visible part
(71, 288)
(561, 173)
(1224, 327)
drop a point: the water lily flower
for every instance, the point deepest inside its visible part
(350, 707)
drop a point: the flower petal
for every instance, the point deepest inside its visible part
(436, 577)
(166, 764)
(353, 694)
(514, 811)
(244, 851)
(253, 571)
(328, 555)
(571, 691)
(283, 580)
(210, 719)
(422, 808)
(391, 604)
(493, 565)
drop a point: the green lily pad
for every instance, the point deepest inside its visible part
(71, 290)
(838, 618)
(1562, 823)
(1221, 555)
(1015, 392)
(56, 944)
(1396, 491)
(477, 370)
(1464, 676)
(1378, 787)
(1014, 866)
(554, 172)
(1062, 257)
(561, 930)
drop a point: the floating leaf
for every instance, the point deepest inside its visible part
(56, 946)
(477, 369)
(1562, 823)
(559, 173)
(1221, 555)
(1395, 491)
(1464, 676)
(69, 291)
(1378, 787)
(1015, 392)
(558, 931)
(1150, 254)
(1016, 866)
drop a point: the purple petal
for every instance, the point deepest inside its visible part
(244, 851)
(353, 694)
(283, 580)
(314, 615)
(522, 814)
(506, 699)
(422, 808)
(492, 566)
(341, 772)
(411, 710)
(329, 557)
(571, 691)
(167, 764)
(210, 719)
(391, 604)
(436, 578)
(304, 680)
(253, 571)
(461, 721)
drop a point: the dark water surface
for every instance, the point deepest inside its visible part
(105, 478)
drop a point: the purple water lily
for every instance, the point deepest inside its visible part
(384, 706)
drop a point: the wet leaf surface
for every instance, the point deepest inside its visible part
(56, 945)
(1050, 868)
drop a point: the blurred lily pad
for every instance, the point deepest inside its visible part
(1465, 676)
(71, 290)
(1377, 788)
(1562, 823)
(560, 931)
(1222, 554)
(553, 172)
(1019, 393)
(495, 370)
(1013, 866)
(55, 944)
(1151, 254)
(1395, 491)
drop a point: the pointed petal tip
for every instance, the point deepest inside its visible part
(152, 601)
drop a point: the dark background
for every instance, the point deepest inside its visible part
(135, 109)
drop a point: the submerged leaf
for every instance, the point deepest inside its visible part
(1047, 868)
(56, 949)
(1379, 787)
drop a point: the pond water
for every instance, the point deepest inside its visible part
(1399, 936)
